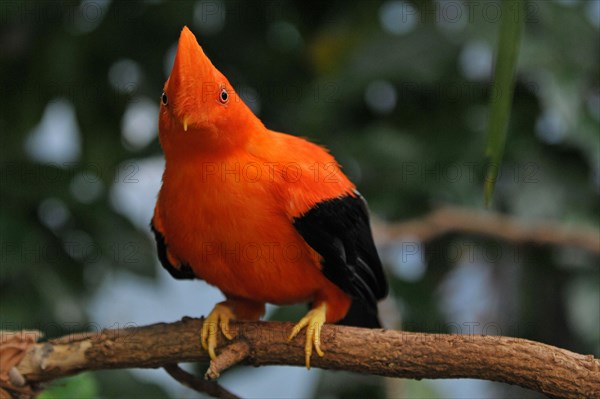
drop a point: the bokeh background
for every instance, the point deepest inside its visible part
(398, 90)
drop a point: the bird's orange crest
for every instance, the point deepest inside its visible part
(198, 103)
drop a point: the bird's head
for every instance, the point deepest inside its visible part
(199, 109)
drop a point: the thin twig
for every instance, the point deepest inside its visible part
(210, 388)
(230, 355)
(447, 220)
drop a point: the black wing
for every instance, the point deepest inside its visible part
(338, 229)
(182, 271)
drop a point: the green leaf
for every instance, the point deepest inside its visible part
(81, 386)
(511, 26)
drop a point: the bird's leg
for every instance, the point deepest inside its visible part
(219, 318)
(313, 321)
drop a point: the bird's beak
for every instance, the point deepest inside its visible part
(190, 69)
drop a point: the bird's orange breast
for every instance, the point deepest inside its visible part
(226, 220)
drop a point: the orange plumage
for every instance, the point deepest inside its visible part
(261, 215)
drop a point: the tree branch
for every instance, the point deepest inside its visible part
(210, 388)
(553, 371)
(446, 220)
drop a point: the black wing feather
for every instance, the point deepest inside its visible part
(181, 272)
(339, 230)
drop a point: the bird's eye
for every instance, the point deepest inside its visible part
(164, 99)
(223, 96)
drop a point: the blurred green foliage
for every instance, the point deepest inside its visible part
(506, 58)
(398, 90)
(82, 386)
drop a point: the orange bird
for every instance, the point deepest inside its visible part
(264, 216)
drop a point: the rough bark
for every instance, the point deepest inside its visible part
(553, 371)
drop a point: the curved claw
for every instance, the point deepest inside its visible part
(219, 316)
(313, 321)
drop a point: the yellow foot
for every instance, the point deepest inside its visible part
(313, 321)
(219, 316)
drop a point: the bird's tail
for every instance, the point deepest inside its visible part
(361, 314)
